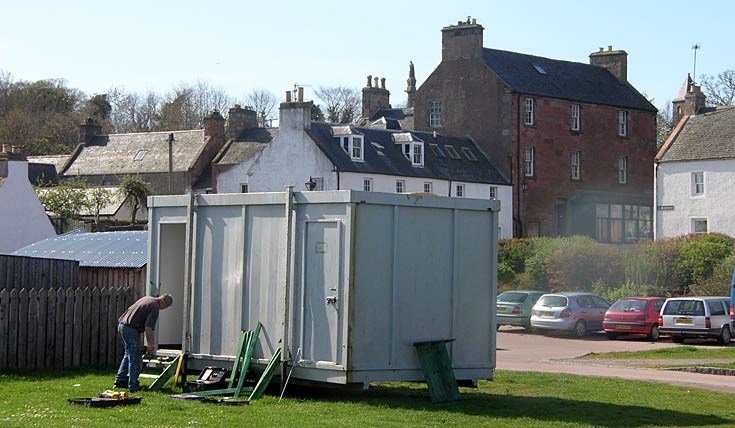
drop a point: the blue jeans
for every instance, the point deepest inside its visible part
(131, 363)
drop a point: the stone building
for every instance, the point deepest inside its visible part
(577, 139)
(103, 159)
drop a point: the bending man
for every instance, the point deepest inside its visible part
(140, 317)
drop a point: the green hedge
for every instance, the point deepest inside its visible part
(701, 264)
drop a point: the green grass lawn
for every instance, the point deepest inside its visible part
(676, 353)
(512, 400)
(681, 356)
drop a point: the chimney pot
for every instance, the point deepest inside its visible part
(376, 81)
(237, 106)
(288, 96)
(609, 48)
(370, 81)
(301, 94)
(15, 149)
(602, 49)
(474, 21)
(5, 148)
(382, 83)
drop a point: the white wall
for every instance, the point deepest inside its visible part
(387, 184)
(674, 189)
(23, 220)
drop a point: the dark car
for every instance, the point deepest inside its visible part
(633, 315)
(576, 312)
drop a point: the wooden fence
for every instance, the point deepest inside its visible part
(30, 272)
(61, 328)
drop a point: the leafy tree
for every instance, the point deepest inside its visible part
(664, 124)
(97, 199)
(67, 199)
(720, 89)
(136, 191)
(316, 113)
(264, 104)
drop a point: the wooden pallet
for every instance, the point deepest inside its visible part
(438, 370)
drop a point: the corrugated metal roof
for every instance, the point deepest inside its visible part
(102, 249)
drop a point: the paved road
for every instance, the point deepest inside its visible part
(521, 351)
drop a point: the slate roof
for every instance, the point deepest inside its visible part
(383, 156)
(42, 173)
(57, 161)
(116, 153)
(704, 136)
(248, 144)
(395, 118)
(103, 249)
(563, 79)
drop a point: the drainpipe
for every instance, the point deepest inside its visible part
(518, 165)
(286, 281)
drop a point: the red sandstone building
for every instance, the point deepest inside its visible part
(577, 140)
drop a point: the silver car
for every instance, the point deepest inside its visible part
(576, 312)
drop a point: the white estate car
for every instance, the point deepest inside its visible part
(696, 317)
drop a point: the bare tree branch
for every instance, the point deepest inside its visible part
(720, 89)
(341, 104)
(264, 103)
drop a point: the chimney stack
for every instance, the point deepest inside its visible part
(616, 62)
(374, 97)
(295, 115)
(462, 41)
(688, 101)
(239, 119)
(89, 130)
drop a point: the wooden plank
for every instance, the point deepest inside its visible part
(32, 329)
(3, 268)
(104, 331)
(77, 329)
(267, 375)
(41, 329)
(94, 324)
(50, 329)
(86, 328)
(4, 307)
(69, 349)
(22, 328)
(59, 338)
(13, 330)
(438, 371)
(167, 373)
(10, 275)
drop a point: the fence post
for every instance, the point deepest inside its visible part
(13, 330)
(41, 331)
(4, 333)
(32, 329)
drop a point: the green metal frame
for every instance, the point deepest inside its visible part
(438, 370)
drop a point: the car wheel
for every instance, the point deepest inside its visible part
(725, 336)
(654, 334)
(580, 328)
(677, 339)
(611, 335)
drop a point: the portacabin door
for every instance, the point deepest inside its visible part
(322, 293)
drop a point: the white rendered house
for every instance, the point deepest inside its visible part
(695, 177)
(23, 219)
(343, 157)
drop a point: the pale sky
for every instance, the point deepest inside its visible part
(239, 46)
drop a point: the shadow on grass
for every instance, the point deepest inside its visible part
(540, 409)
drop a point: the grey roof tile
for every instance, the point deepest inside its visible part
(563, 79)
(383, 156)
(704, 136)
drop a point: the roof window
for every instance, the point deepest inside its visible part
(468, 154)
(140, 155)
(452, 151)
(539, 68)
(437, 151)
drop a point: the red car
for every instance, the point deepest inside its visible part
(633, 315)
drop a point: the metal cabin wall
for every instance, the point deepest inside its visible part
(236, 281)
(422, 273)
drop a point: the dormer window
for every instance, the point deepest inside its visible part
(411, 147)
(350, 141)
